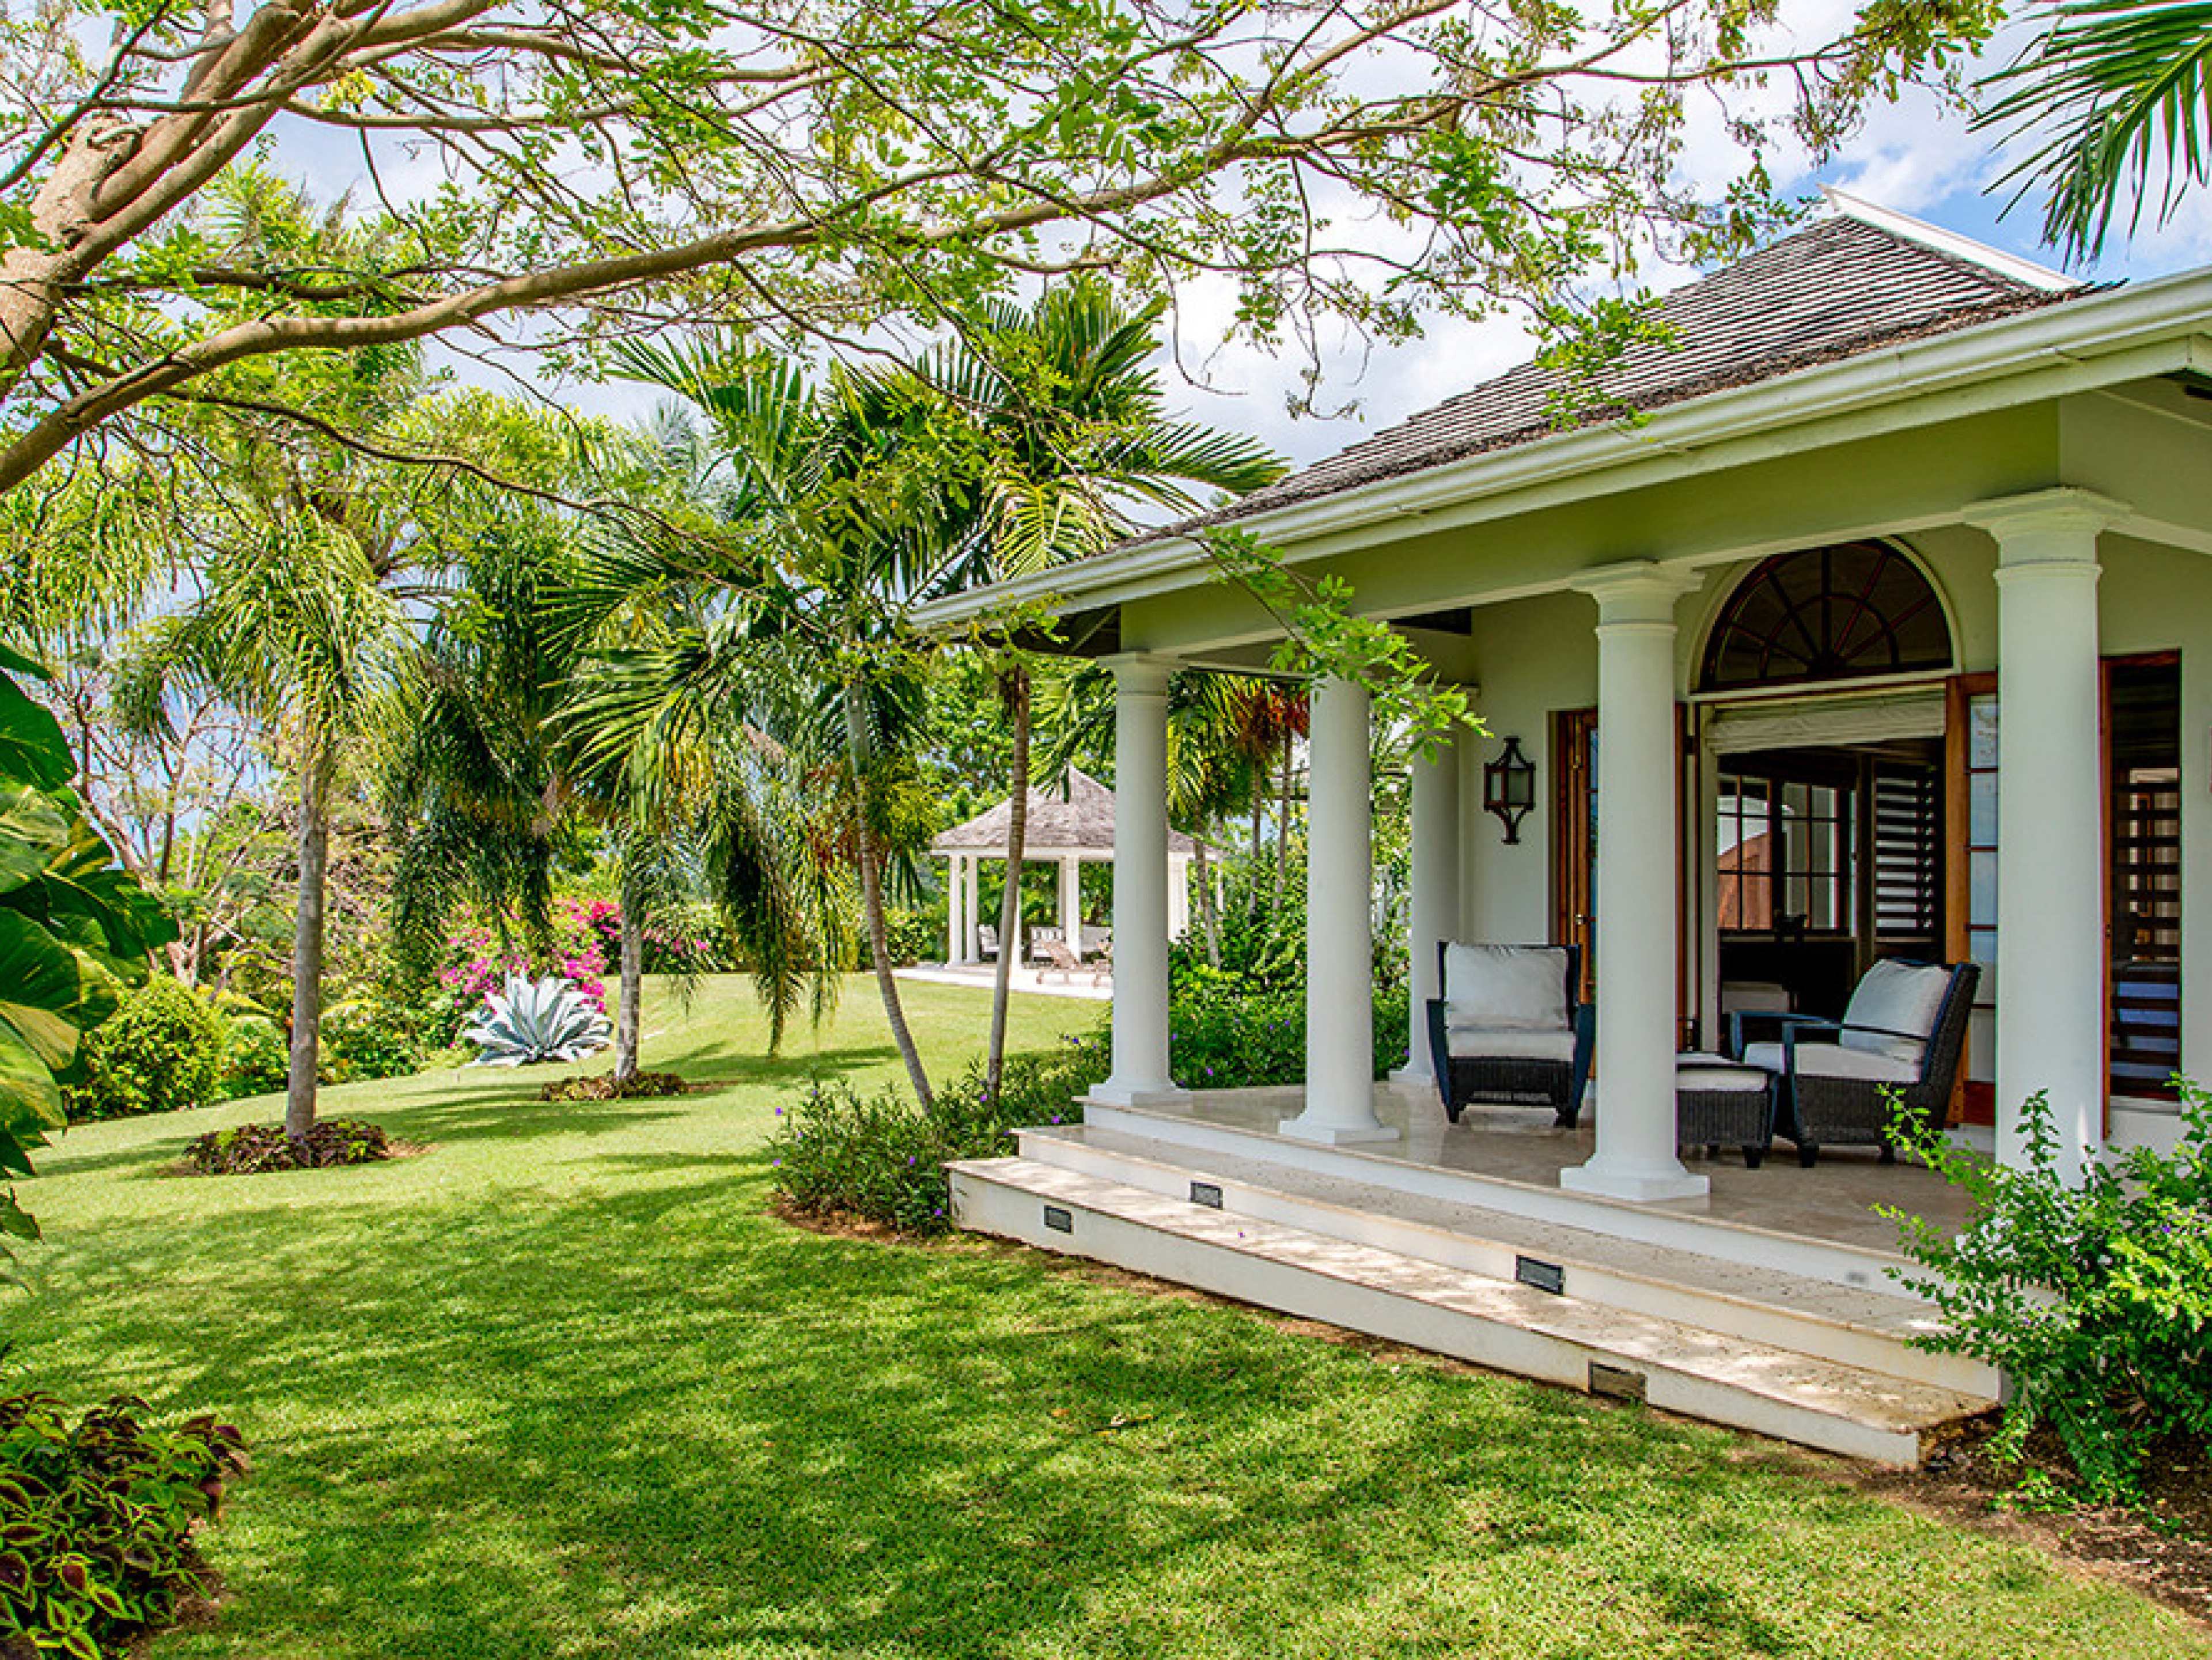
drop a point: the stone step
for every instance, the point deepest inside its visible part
(1868, 1326)
(1470, 1317)
(1663, 1227)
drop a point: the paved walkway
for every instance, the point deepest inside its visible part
(1043, 982)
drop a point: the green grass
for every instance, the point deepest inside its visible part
(562, 1387)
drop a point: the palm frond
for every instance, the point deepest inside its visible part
(2120, 92)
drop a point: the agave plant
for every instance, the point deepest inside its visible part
(546, 1019)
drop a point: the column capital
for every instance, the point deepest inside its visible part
(1637, 590)
(1140, 672)
(2045, 525)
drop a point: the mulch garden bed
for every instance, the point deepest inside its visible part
(2163, 1548)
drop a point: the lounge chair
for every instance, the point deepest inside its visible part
(1069, 964)
(1509, 1028)
(1901, 1039)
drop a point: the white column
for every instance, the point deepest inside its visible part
(1638, 920)
(1070, 903)
(952, 908)
(1340, 925)
(1432, 903)
(2051, 789)
(1140, 1075)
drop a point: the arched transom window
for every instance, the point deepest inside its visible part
(1860, 608)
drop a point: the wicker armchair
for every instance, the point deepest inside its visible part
(1509, 1028)
(1900, 1039)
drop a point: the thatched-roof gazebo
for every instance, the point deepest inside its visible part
(1070, 829)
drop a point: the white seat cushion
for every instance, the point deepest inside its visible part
(1506, 988)
(1896, 997)
(1825, 1060)
(1511, 1043)
(1715, 1072)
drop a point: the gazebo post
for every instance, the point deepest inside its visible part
(1071, 902)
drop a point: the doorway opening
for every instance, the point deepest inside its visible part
(1826, 860)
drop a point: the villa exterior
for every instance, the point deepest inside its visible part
(1882, 629)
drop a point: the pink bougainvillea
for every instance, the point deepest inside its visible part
(586, 948)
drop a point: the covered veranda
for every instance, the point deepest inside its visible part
(1872, 420)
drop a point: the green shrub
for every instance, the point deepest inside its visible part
(914, 936)
(2095, 1300)
(1236, 1031)
(605, 1087)
(369, 1039)
(161, 1049)
(97, 1547)
(881, 1157)
(257, 1058)
(255, 1149)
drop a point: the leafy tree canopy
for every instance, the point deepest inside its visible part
(518, 173)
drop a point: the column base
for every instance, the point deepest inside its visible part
(1413, 1080)
(1321, 1133)
(1113, 1094)
(1642, 1183)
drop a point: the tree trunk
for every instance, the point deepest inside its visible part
(628, 1011)
(1209, 914)
(1283, 826)
(307, 947)
(858, 752)
(1010, 906)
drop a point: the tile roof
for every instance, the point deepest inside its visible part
(1841, 286)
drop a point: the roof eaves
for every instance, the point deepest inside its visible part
(2093, 323)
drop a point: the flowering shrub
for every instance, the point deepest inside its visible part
(585, 950)
(477, 966)
(882, 1158)
(2095, 1300)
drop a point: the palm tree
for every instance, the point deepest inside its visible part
(2118, 91)
(1071, 437)
(829, 513)
(297, 630)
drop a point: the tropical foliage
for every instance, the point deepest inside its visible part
(97, 1549)
(74, 931)
(2114, 99)
(2094, 1297)
(529, 1021)
(842, 1152)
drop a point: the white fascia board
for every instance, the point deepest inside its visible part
(2152, 328)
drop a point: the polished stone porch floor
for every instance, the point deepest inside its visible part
(1834, 1201)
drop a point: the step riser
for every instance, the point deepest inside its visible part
(982, 1205)
(1810, 1259)
(1873, 1351)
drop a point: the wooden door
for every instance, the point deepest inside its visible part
(1574, 837)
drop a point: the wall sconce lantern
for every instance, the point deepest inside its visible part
(1509, 789)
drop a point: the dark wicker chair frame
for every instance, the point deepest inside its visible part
(1517, 1080)
(1741, 1118)
(1814, 1111)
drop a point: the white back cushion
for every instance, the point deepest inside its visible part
(1898, 998)
(1506, 988)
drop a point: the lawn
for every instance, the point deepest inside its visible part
(562, 1386)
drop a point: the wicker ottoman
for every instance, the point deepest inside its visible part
(1722, 1103)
